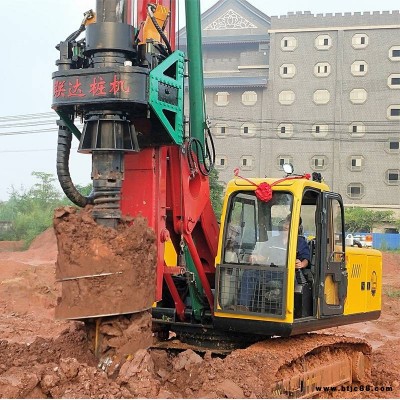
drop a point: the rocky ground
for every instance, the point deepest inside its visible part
(44, 358)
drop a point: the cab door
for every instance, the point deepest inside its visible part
(332, 272)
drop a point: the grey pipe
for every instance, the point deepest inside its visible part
(111, 11)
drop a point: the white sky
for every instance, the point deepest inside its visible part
(30, 30)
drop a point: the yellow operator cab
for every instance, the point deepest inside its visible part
(259, 290)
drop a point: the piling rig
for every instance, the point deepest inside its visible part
(126, 82)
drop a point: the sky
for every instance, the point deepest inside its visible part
(29, 31)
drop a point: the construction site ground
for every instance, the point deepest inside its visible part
(44, 358)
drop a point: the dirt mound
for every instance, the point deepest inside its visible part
(11, 245)
(46, 241)
(42, 251)
(44, 358)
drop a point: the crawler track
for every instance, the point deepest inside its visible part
(298, 366)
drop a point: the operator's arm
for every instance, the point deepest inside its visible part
(303, 253)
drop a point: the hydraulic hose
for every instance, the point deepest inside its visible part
(88, 15)
(202, 154)
(150, 12)
(64, 176)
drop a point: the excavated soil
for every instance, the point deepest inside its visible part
(41, 357)
(103, 270)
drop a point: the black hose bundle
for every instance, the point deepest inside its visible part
(205, 157)
(64, 176)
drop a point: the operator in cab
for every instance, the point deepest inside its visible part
(274, 251)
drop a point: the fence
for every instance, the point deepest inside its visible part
(380, 241)
(386, 241)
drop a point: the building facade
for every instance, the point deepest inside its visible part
(320, 91)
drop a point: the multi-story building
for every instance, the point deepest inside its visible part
(320, 91)
(334, 96)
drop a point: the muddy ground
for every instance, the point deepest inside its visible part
(44, 358)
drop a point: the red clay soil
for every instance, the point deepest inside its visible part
(44, 358)
(11, 246)
(103, 270)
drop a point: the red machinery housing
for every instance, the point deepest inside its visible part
(139, 168)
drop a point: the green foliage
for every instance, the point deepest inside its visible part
(359, 219)
(393, 293)
(85, 190)
(216, 193)
(31, 211)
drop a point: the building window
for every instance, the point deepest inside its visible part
(359, 68)
(393, 112)
(321, 96)
(221, 130)
(319, 163)
(393, 146)
(287, 70)
(319, 130)
(248, 129)
(394, 81)
(323, 42)
(392, 176)
(287, 97)
(284, 160)
(222, 98)
(355, 190)
(358, 96)
(247, 163)
(394, 53)
(322, 69)
(285, 130)
(249, 98)
(288, 43)
(356, 163)
(221, 162)
(360, 41)
(357, 129)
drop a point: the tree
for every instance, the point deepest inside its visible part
(216, 193)
(31, 211)
(85, 190)
(359, 219)
(44, 190)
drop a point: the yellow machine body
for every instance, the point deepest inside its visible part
(343, 283)
(364, 292)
